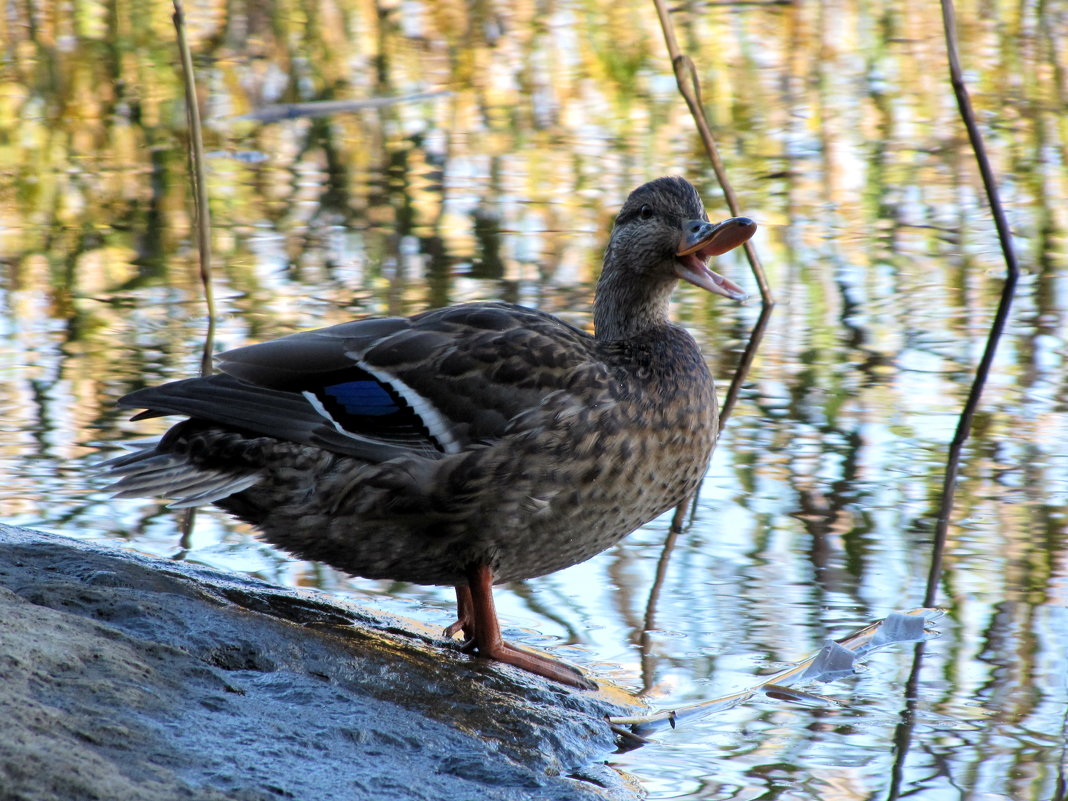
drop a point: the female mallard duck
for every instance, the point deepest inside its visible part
(465, 446)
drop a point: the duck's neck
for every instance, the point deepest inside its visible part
(624, 308)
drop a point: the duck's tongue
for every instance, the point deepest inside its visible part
(703, 240)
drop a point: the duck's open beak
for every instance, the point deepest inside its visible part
(700, 241)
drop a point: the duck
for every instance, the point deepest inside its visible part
(467, 446)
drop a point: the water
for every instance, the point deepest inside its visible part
(838, 128)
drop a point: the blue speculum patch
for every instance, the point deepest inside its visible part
(367, 398)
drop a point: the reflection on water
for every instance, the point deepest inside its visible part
(839, 131)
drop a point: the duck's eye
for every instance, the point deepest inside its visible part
(645, 212)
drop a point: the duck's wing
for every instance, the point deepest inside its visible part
(385, 387)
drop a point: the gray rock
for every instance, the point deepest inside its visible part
(128, 677)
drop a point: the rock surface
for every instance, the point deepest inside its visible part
(129, 677)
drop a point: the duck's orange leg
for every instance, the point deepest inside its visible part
(477, 617)
(465, 621)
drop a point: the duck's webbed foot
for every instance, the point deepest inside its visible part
(477, 619)
(536, 663)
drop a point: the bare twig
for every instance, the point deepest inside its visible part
(903, 733)
(690, 88)
(997, 327)
(203, 215)
(904, 730)
(200, 189)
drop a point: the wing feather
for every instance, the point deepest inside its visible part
(387, 387)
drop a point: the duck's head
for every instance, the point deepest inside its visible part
(663, 231)
(663, 234)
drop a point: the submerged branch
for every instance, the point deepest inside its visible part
(325, 108)
(742, 370)
(837, 659)
(678, 521)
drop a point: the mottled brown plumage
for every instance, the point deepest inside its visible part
(466, 446)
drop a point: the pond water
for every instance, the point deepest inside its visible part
(839, 131)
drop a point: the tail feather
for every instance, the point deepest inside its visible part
(149, 473)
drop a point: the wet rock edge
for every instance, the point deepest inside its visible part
(128, 676)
